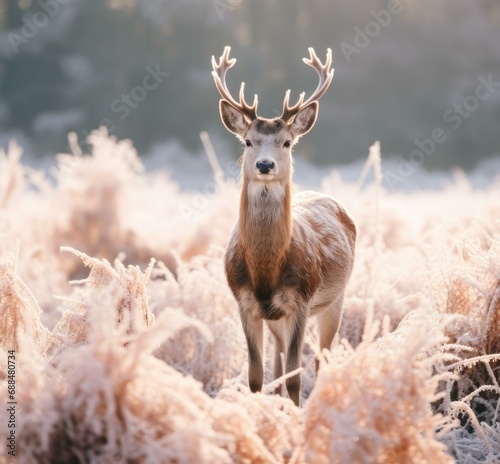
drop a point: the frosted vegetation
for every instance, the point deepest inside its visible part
(129, 345)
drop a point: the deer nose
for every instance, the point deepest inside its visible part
(264, 166)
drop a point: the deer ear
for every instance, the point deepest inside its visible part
(305, 119)
(233, 119)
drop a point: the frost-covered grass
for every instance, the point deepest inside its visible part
(129, 345)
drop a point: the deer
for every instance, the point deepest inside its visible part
(289, 257)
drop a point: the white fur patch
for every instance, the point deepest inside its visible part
(288, 300)
(265, 197)
(249, 303)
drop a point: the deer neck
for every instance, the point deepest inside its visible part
(265, 230)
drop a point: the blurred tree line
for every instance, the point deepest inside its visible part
(72, 65)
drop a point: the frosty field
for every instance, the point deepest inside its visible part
(128, 344)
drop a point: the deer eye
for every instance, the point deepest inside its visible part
(248, 143)
(287, 144)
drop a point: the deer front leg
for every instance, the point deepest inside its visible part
(254, 334)
(279, 352)
(297, 328)
(278, 329)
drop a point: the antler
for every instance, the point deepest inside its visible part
(325, 78)
(219, 74)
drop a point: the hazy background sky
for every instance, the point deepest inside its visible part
(142, 67)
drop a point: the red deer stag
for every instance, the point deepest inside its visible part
(288, 257)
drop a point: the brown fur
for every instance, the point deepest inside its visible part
(269, 126)
(264, 246)
(348, 225)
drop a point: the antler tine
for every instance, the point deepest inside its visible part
(325, 73)
(325, 79)
(290, 111)
(219, 75)
(251, 110)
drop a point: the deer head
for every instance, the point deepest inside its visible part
(269, 142)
